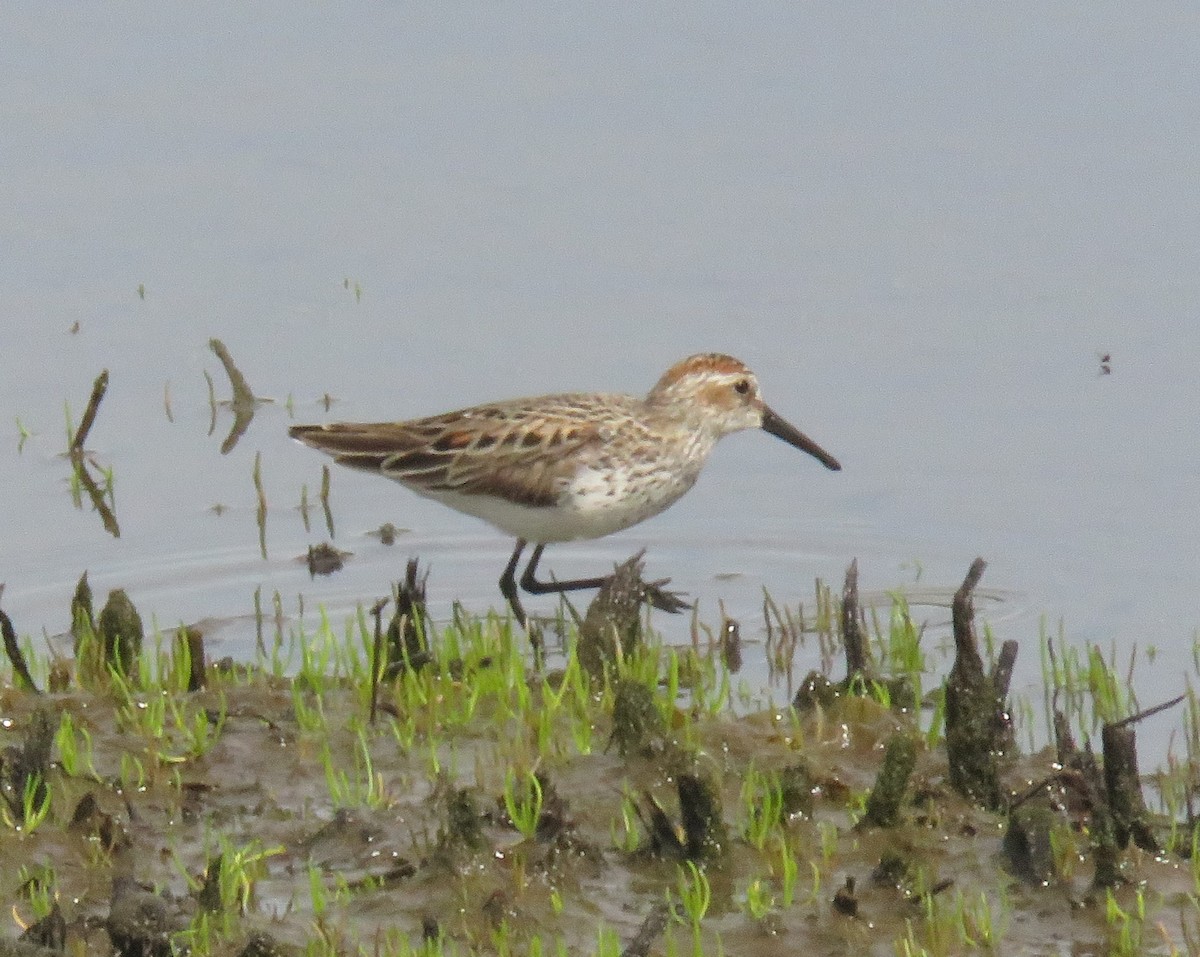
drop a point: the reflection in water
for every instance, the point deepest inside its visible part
(81, 478)
(261, 512)
(731, 643)
(244, 401)
(101, 496)
(325, 506)
(325, 499)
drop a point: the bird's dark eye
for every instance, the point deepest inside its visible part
(742, 386)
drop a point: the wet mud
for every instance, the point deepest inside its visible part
(425, 789)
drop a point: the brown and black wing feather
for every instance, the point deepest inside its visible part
(522, 454)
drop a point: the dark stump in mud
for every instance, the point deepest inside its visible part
(637, 724)
(887, 797)
(140, 923)
(24, 769)
(861, 673)
(976, 719)
(702, 835)
(613, 623)
(407, 642)
(121, 632)
(703, 823)
(1131, 818)
(1028, 848)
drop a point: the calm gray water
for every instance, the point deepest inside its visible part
(921, 224)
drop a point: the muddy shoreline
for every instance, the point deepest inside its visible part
(157, 803)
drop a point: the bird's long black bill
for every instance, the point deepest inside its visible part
(793, 436)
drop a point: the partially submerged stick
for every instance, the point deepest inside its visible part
(79, 461)
(99, 387)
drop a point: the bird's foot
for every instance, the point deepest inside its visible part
(663, 600)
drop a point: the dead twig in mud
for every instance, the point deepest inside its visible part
(1111, 791)
(702, 835)
(730, 642)
(83, 619)
(121, 634)
(614, 623)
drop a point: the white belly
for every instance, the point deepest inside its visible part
(595, 504)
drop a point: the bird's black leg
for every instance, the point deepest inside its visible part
(655, 594)
(508, 583)
(535, 587)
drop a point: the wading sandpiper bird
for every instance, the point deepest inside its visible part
(562, 467)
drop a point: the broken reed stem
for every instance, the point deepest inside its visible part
(99, 387)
